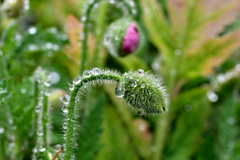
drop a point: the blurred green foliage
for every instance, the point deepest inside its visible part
(193, 45)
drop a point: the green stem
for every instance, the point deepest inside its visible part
(71, 110)
(99, 32)
(45, 117)
(85, 35)
(41, 99)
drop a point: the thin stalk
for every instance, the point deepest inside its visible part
(85, 35)
(41, 115)
(71, 110)
(45, 117)
(99, 33)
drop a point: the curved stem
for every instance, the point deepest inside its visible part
(85, 19)
(71, 110)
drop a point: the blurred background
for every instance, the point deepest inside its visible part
(192, 45)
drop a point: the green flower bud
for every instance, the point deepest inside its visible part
(122, 37)
(143, 92)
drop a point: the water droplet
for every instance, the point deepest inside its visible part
(47, 83)
(26, 5)
(140, 72)
(42, 149)
(230, 120)
(40, 132)
(1, 130)
(133, 83)
(143, 85)
(141, 111)
(96, 71)
(77, 80)
(237, 67)
(120, 90)
(154, 149)
(66, 99)
(32, 30)
(221, 78)
(84, 18)
(212, 96)
(71, 87)
(34, 150)
(65, 125)
(188, 108)
(37, 109)
(57, 147)
(177, 52)
(23, 91)
(32, 47)
(55, 77)
(86, 74)
(47, 92)
(65, 108)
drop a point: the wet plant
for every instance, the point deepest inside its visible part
(71, 86)
(143, 92)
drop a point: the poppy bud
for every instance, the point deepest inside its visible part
(122, 37)
(143, 92)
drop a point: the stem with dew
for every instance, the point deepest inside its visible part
(70, 114)
(41, 114)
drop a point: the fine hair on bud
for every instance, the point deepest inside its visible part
(143, 92)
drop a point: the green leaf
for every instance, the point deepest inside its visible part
(184, 138)
(39, 40)
(211, 54)
(91, 130)
(115, 139)
(157, 26)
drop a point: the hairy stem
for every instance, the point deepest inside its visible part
(71, 110)
(41, 115)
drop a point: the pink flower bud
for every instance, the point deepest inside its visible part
(131, 39)
(122, 37)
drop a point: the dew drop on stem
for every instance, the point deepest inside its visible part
(71, 87)
(66, 99)
(96, 71)
(77, 80)
(65, 108)
(86, 74)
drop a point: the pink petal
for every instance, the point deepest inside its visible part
(131, 39)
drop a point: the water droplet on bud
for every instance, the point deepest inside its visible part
(140, 72)
(133, 83)
(120, 90)
(143, 85)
